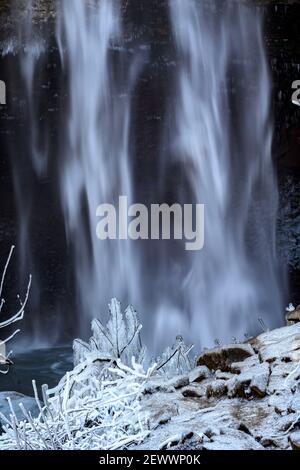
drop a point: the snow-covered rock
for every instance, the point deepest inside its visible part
(282, 343)
(294, 439)
(293, 315)
(240, 396)
(199, 373)
(223, 357)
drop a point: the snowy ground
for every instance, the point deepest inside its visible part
(239, 396)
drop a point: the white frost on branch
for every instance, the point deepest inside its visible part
(86, 411)
(176, 360)
(119, 339)
(12, 318)
(98, 404)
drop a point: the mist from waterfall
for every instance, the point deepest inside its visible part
(221, 138)
(95, 165)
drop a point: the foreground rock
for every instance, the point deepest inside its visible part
(241, 396)
(293, 316)
(282, 344)
(16, 398)
(222, 358)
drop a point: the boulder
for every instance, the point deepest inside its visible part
(223, 357)
(161, 385)
(260, 380)
(217, 388)
(192, 392)
(239, 367)
(294, 440)
(252, 381)
(199, 373)
(223, 375)
(232, 439)
(282, 343)
(17, 398)
(293, 316)
(282, 375)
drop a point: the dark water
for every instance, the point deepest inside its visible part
(44, 365)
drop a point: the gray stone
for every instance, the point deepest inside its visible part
(280, 402)
(283, 343)
(178, 382)
(252, 381)
(17, 398)
(222, 358)
(233, 440)
(239, 367)
(239, 386)
(217, 388)
(293, 317)
(192, 392)
(223, 375)
(260, 379)
(279, 378)
(199, 373)
(294, 440)
(160, 384)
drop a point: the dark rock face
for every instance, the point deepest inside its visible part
(16, 398)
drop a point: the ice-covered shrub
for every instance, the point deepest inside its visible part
(84, 411)
(119, 339)
(11, 319)
(176, 359)
(98, 404)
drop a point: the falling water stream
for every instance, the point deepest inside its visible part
(219, 140)
(96, 167)
(222, 138)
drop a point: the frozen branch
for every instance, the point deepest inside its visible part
(13, 318)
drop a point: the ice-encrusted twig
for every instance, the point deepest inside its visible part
(13, 318)
(60, 419)
(5, 269)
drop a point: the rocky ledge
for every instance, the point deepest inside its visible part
(241, 396)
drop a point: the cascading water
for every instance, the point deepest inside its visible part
(33, 48)
(222, 140)
(29, 149)
(96, 164)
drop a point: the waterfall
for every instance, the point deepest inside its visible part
(29, 152)
(78, 153)
(221, 138)
(95, 166)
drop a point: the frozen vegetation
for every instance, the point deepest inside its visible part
(238, 396)
(10, 319)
